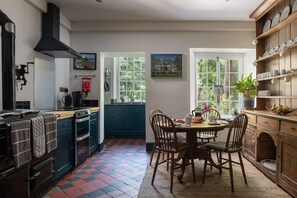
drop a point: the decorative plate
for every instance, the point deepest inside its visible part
(271, 51)
(294, 9)
(285, 13)
(282, 46)
(266, 53)
(269, 164)
(276, 48)
(267, 26)
(289, 43)
(275, 20)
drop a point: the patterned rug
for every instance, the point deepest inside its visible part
(215, 185)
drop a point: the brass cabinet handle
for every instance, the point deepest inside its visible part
(293, 128)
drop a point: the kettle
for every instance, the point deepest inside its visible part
(68, 101)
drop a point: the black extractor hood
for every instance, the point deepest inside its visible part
(50, 43)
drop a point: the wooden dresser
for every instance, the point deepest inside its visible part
(271, 137)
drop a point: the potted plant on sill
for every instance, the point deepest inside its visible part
(246, 86)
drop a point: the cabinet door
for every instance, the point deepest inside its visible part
(118, 121)
(93, 132)
(65, 151)
(287, 170)
(249, 142)
(137, 121)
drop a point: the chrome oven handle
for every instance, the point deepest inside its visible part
(82, 119)
(82, 137)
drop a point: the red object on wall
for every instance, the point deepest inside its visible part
(86, 85)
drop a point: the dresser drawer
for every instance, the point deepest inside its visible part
(267, 123)
(252, 118)
(289, 128)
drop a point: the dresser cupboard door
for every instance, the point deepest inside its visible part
(287, 170)
(250, 142)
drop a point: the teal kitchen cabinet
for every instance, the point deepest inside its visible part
(64, 154)
(124, 120)
(93, 132)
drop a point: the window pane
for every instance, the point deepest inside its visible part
(201, 65)
(212, 65)
(209, 74)
(123, 75)
(132, 77)
(123, 86)
(212, 79)
(233, 78)
(129, 86)
(234, 66)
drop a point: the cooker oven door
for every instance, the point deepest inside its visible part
(82, 137)
(82, 151)
(82, 126)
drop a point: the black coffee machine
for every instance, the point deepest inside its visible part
(77, 98)
(67, 101)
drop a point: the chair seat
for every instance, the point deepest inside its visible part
(181, 146)
(219, 145)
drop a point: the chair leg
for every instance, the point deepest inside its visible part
(242, 167)
(193, 167)
(152, 154)
(168, 157)
(171, 172)
(204, 171)
(156, 167)
(231, 171)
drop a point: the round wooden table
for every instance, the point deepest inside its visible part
(197, 151)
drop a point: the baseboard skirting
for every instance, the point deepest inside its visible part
(149, 146)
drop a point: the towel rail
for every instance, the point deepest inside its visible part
(84, 76)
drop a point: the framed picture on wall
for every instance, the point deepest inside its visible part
(87, 63)
(166, 65)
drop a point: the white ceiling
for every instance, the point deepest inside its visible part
(157, 10)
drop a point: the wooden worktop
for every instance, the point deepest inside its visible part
(69, 114)
(289, 117)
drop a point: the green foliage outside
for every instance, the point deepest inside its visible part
(226, 74)
(132, 78)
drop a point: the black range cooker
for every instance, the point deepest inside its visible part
(32, 179)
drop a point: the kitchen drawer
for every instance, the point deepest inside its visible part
(268, 123)
(252, 118)
(65, 124)
(289, 128)
(94, 116)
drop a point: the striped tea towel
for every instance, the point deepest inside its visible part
(21, 144)
(50, 122)
(38, 136)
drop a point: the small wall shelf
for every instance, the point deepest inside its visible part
(275, 54)
(278, 97)
(277, 77)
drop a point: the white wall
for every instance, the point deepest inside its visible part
(170, 95)
(27, 18)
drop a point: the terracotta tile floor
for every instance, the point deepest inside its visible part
(117, 171)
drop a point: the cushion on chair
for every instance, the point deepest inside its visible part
(216, 145)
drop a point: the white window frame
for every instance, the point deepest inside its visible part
(117, 76)
(204, 55)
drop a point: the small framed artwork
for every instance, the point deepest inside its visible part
(166, 65)
(87, 63)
